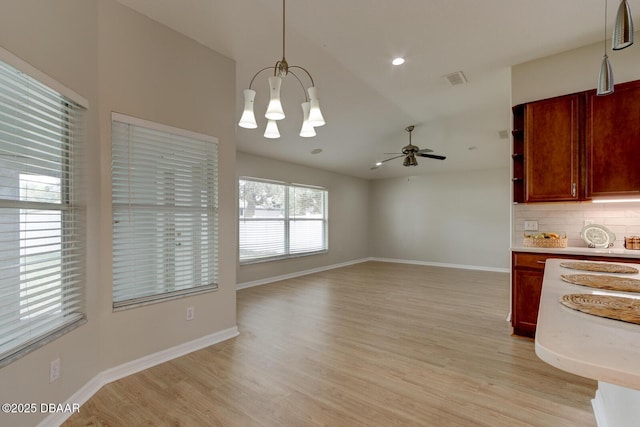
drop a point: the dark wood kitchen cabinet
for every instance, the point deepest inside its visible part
(612, 138)
(527, 273)
(578, 147)
(546, 155)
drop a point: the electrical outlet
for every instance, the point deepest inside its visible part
(54, 370)
(191, 313)
(531, 225)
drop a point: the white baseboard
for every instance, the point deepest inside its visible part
(440, 264)
(129, 368)
(358, 261)
(298, 274)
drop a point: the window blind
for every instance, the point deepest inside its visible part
(42, 238)
(165, 218)
(279, 220)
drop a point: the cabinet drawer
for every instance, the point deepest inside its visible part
(530, 260)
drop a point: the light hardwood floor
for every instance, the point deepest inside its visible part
(373, 344)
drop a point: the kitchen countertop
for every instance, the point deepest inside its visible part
(590, 346)
(576, 250)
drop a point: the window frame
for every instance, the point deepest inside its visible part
(70, 259)
(169, 210)
(287, 220)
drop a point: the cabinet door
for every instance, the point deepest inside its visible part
(551, 149)
(527, 288)
(613, 142)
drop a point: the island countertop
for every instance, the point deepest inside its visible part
(590, 346)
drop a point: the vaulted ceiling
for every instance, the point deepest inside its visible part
(367, 102)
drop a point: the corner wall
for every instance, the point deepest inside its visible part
(458, 219)
(122, 61)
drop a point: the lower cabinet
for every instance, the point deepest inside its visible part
(527, 272)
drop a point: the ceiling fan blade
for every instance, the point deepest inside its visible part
(431, 156)
(392, 153)
(392, 158)
(425, 150)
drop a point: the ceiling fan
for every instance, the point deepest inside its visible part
(409, 152)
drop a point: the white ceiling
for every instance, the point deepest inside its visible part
(348, 45)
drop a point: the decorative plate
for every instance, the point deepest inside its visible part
(597, 236)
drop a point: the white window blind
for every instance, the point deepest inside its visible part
(279, 220)
(165, 216)
(42, 239)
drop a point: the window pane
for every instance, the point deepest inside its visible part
(307, 236)
(41, 227)
(164, 190)
(278, 220)
(306, 202)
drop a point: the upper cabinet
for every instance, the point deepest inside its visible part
(612, 137)
(546, 150)
(578, 147)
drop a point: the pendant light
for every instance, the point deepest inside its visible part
(312, 116)
(623, 28)
(605, 79)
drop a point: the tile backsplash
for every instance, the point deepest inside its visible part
(623, 219)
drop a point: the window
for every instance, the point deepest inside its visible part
(165, 216)
(42, 238)
(279, 220)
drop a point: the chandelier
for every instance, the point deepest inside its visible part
(312, 116)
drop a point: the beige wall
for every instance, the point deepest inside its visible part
(572, 71)
(459, 218)
(348, 215)
(121, 61)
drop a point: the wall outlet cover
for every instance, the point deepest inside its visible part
(54, 370)
(530, 225)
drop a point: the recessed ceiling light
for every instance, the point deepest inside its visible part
(398, 61)
(316, 151)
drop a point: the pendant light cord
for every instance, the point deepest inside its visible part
(605, 27)
(283, 28)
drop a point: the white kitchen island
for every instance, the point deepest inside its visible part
(602, 349)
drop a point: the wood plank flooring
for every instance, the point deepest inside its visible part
(373, 344)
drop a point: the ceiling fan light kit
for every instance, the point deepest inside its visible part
(312, 115)
(409, 152)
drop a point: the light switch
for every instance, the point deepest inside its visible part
(531, 225)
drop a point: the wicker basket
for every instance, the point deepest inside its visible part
(531, 242)
(632, 242)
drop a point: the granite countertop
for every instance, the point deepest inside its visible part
(576, 250)
(590, 346)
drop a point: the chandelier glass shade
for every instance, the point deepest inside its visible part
(311, 113)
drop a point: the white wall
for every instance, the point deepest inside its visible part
(121, 61)
(458, 219)
(349, 214)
